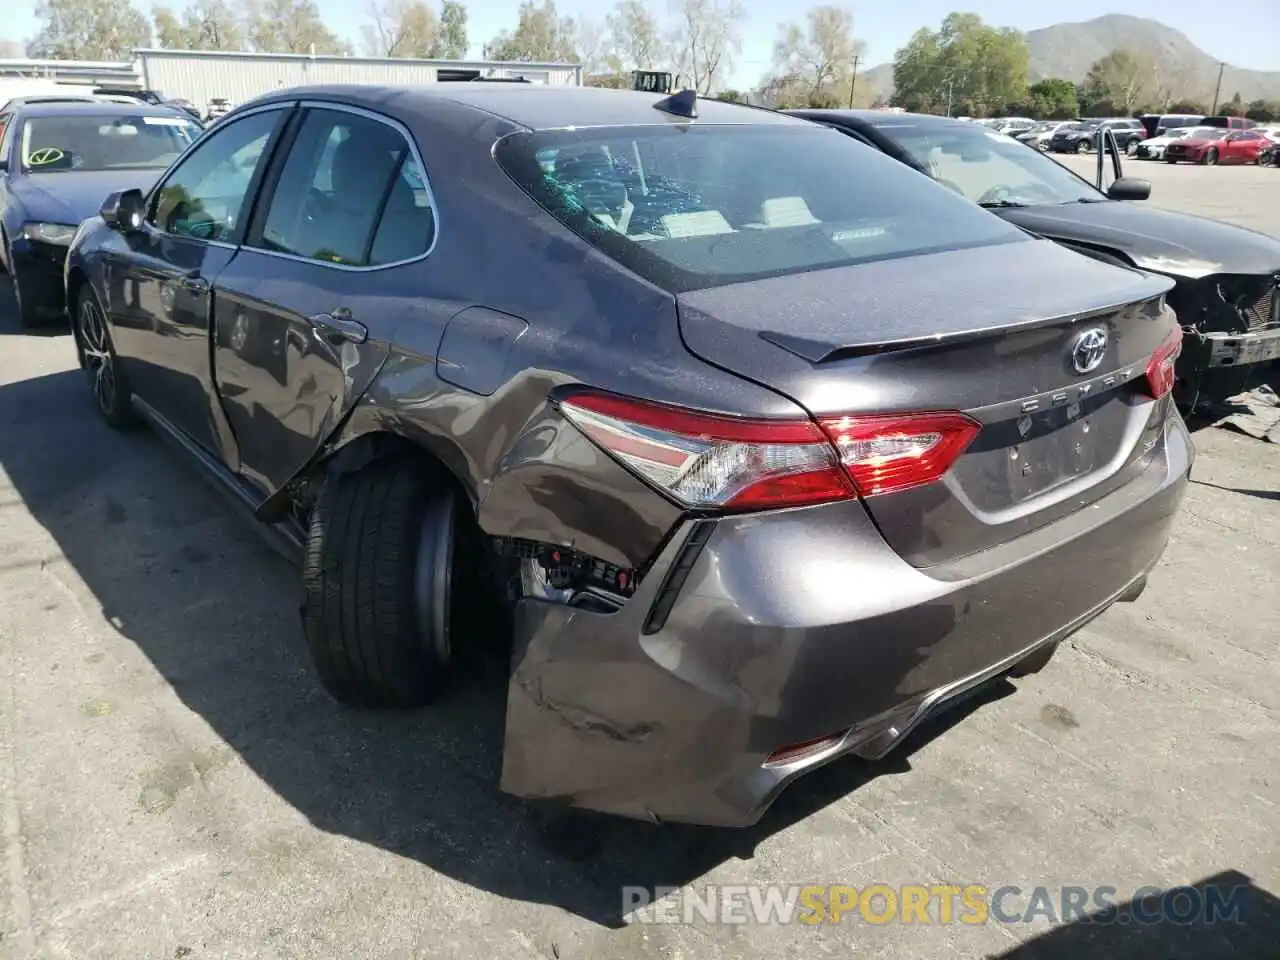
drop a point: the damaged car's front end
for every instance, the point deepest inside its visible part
(1231, 327)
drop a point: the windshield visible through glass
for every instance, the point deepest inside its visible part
(699, 206)
(103, 142)
(987, 168)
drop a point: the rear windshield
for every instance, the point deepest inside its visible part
(690, 206)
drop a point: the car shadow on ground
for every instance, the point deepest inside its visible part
(216, 613)
(1223, 917)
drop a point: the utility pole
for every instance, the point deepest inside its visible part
(950, 87)
(853, 80)
(1217, 91)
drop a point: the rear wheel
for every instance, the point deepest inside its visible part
(1210, 158)
(379, 583)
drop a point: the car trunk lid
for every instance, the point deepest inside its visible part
(1044, 348)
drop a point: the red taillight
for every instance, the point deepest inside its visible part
(1160, 367)
(896, 452)
(710, 461)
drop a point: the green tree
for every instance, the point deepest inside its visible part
(706, 38)
(822, 52)
(965, 63)
(636, 37)
(88, 30)
(1232, 108)
(1053, 99)
(401, 28)
(290, 26)
(1264, 111)
(732, 96)
(1122, 79)
(541, 35)
(451, 44)
(204, 25)
(1192, 107)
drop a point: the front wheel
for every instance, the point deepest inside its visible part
(98, 359)
(378, 581)
(1210, 158)
(1170, 160)
(1081, 146)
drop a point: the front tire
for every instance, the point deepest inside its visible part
(98, 360)
(378, 581)
(1081, 146)
(1210, 158)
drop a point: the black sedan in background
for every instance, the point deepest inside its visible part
(1227, 276)
(60, 160)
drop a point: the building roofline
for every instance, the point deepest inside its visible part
(337, 58)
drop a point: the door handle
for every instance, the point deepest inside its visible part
(194, 283)
(340, 325)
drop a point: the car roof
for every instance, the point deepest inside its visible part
(535, 106)
(95, 108)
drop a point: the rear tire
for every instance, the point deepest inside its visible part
(1036, 662)
(378, 585)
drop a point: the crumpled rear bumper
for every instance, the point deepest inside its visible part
(797, 626)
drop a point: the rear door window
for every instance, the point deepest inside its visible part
(351, 193)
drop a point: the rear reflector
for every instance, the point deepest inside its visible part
(1160, 375)
(711, 461)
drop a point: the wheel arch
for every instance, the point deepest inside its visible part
(353, 450)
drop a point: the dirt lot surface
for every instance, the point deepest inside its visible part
(174, 784)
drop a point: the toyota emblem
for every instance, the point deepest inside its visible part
(1088, 350)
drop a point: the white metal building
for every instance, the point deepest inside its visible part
(203, 75)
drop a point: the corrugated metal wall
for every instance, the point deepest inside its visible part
(241, 77)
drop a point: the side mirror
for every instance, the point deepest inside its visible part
(1129, 188)
(124, 211)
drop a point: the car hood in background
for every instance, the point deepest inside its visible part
(71, 196)
(1177, 244)
(1198, 142)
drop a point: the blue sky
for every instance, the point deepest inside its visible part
(1245, 33)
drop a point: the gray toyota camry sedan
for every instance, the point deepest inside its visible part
(748, 446)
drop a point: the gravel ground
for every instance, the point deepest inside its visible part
(173, 784)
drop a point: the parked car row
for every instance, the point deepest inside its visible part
(687, 406)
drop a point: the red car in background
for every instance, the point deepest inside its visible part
(1218, 146)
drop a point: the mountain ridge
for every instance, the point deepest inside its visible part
(1068, 49)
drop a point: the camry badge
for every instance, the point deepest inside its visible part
(1089, 349)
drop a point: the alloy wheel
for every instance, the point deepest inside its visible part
(99, 365)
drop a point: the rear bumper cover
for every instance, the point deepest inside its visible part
(796, 626)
